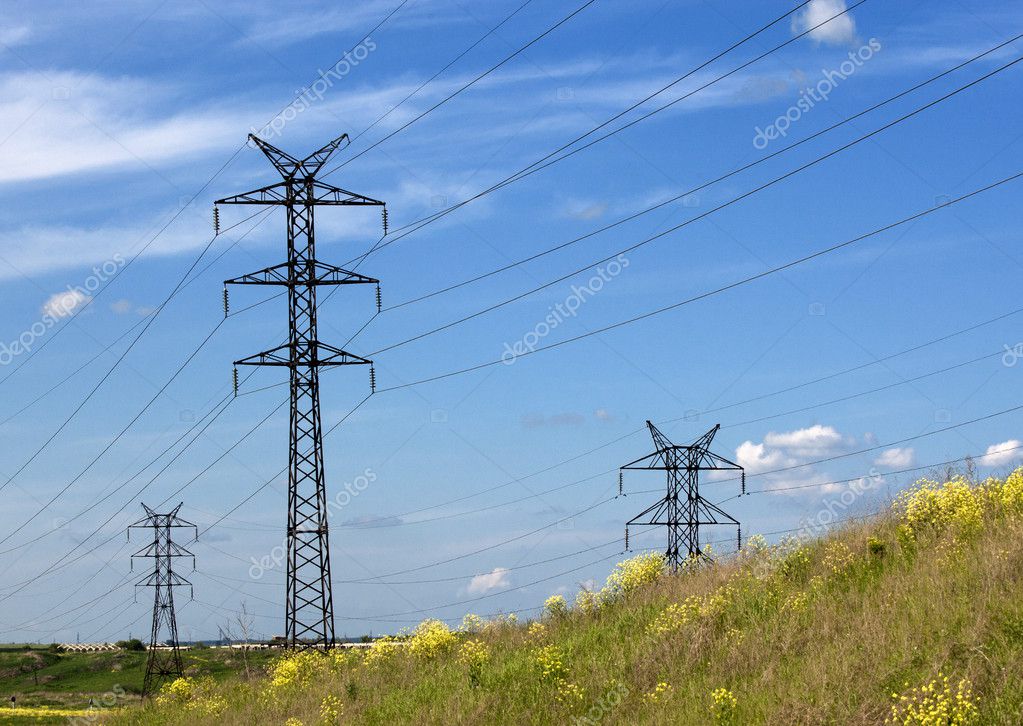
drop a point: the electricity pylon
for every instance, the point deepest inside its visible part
(309, 610)
(164, 660)
(682, 510)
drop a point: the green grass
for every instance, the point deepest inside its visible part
(36, 676)
(819, 633)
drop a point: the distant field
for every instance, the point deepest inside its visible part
(52, 687)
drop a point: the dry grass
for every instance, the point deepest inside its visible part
(870, 623)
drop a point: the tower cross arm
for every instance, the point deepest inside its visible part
(321, 355)
(330, 195)
(644, 462)
(272, 194)
(715, 462)
(656, 516)
(322, 274)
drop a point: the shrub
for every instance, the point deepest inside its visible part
(330, 710)
(383, 648)
(587, 601)
(675, 617)
(555, 606)
(475, 655)
(633, 574)
(294, 670)
(1011, 492)
(430, 639)
(196, 695)
(931, 507)
(536, 631)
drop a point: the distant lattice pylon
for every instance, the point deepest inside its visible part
(683, 510)
(164, 662)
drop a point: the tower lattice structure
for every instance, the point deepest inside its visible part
(164, 661)
(309, 609)
(683, 510)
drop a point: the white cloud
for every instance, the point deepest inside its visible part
(1003, 453)
(816, 440)
(894, 458)
(789, 450)
(494, 580)
(64, 304)
(755, 458)
(840, 31)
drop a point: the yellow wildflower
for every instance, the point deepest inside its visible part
(935, 704)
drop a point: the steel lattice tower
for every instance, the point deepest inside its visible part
(309, 611)
(164, 657)
(683, 510)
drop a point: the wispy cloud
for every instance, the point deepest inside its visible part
(15, 35)
(67, 122)
(897, 457)
(1003, 453)
(64, 304)
(494, 580)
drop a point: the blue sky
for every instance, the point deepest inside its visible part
(116, 115)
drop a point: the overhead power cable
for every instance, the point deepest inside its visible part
(618, 254)
(553, 158)
(694, 190)
(519, 51)
(716, 291)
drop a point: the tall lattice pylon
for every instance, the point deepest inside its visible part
(682, 510)
(309, 609)
(164, 661)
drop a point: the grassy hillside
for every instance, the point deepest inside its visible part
(919, 610)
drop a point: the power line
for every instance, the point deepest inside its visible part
(185, 206)
(493, 546)
(81, 404)
(548, 160)
(908, 470)
(436, 75)
(890, 444)
(712, 293)
(618, 254)
(181, 283)
(787, 389)
(455, 515)
(701, 187)
(466, 86)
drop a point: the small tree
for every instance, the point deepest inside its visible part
(243, 622)
(134, 644)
